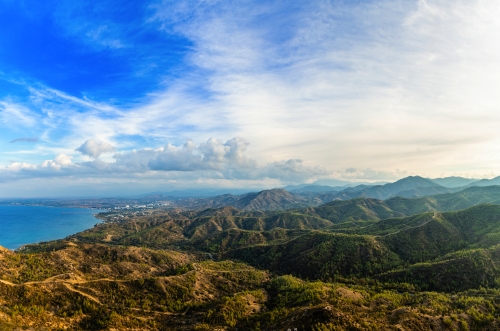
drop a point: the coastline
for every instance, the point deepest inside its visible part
(25, 225)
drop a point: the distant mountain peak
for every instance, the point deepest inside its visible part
(415, 180)
(277, 198)
(486, 182)
(276, 191)
(454, 181)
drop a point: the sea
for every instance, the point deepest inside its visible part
(20, 225)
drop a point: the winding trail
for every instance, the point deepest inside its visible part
(408, 227)
(88, 296)
(7, 282)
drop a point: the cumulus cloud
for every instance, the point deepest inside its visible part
(62, 160)
(212, 159)
(95, 148)
(184, 158)
(235, 149)
(216, 159)
(17, 166)
(212, 155)
(48, 168)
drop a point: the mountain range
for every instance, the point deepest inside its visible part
(271, 260)
(314, 195)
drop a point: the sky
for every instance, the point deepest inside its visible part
(116, 97)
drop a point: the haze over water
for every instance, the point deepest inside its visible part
(20, 225)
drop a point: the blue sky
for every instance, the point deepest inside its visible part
(108, 97)
(99, 51)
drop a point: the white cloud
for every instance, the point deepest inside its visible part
(375, 85)
(62, 160)
(212, 159)
(212, 155)
(17, 166)
(184, 158)
(95, 148)
(379, 85)
(13, 115)
(96, 31)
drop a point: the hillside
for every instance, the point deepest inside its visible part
(447, 202)
(367, 209)
(282, 240)
(275, 199)
(380, 249)
(424, 191)
(409, 183)
(454, 272)
(355, 209)
(452, 182)
(410, 187)
(361, 264)
(167, 228)
(88, 287)
(208, 295)
(315, 195)
(486, 182)
(468, 197)
(321, 255)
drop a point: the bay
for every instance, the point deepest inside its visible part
(20, 225)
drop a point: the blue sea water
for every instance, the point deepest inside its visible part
(20, 225)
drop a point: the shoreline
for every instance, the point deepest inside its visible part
(49, 228)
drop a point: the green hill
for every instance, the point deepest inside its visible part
(467, 198)
(377, 247)
(361, 264)
(416, 238)
(409, 187)
(321, 255)
(274, 199)
(347, 265)
(453, 272)
(353, 210)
